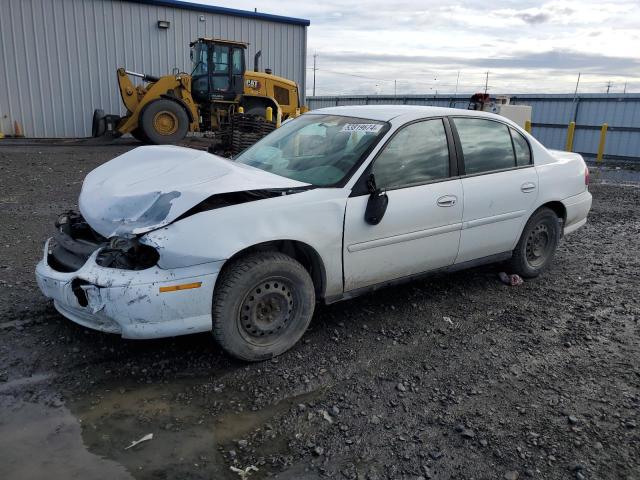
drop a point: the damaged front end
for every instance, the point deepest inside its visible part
(115, 285)
(74, 241)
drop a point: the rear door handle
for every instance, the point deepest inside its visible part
(447, 201)
(528, 187)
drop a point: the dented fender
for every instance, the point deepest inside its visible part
(314, 217)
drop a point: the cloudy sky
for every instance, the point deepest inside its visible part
(421, 46)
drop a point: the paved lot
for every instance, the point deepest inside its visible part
(454, 377)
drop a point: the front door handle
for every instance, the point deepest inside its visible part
(528, 187)
(447, 201)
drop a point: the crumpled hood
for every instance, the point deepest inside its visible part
(149, 187)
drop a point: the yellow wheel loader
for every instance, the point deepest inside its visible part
(219, 96)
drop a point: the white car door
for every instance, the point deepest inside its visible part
(420, 229)
(500, 186)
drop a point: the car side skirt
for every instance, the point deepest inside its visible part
(500, 257)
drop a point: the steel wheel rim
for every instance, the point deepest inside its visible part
(267, 311)
(539, 245)
(165, 122)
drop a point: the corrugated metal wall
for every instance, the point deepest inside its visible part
(551, 113)
(58, 58)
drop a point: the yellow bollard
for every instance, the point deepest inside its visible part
(240, 109)
(570, 132)
(527, 126)
(603, 137)
(269, 114)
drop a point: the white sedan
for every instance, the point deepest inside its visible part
(333, 204)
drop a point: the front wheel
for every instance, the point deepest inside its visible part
(537, 245)
(262, 305)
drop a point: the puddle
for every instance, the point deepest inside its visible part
(38, 441)
(189, 422)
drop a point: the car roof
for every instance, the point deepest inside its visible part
(386, 113)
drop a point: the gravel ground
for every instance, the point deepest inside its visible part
(454, 377)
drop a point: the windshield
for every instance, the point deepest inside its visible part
(316, 149)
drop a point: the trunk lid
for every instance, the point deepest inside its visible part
(149, 187)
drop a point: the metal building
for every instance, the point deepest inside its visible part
(58, 58)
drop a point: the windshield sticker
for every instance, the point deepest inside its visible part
(361, 127)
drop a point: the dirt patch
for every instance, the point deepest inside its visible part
(458, 376)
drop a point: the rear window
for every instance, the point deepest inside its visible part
(486, 145)
(521, 147)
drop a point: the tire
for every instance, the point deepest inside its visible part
(139, 135)
(248, 318)
(164, 122)
(537, 245)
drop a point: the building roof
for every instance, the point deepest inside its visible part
(199, 7)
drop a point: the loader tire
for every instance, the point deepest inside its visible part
(164, 122)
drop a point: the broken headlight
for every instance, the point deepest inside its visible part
(127, 254)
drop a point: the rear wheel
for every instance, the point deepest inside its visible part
(262, 305)
(164, 122)
(537, 245)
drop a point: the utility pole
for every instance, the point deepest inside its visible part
(315, 55)
(486, 83)
(575, 99)
(457, 82)
(575, 93)
(609, 86)
(624, 90)
(395, 88)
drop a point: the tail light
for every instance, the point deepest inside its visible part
(586, 176)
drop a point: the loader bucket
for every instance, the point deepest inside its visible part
(104, 124)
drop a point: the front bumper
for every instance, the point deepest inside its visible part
(129, 302)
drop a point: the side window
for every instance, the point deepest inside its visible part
(486, 145)
(521, 146)
(416, 154)
(236, 62)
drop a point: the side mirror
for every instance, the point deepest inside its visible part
(377, 204)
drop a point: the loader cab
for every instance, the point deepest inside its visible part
(217, 69)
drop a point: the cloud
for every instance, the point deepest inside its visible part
(534, 18)
(422, 44)
(550, 60)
